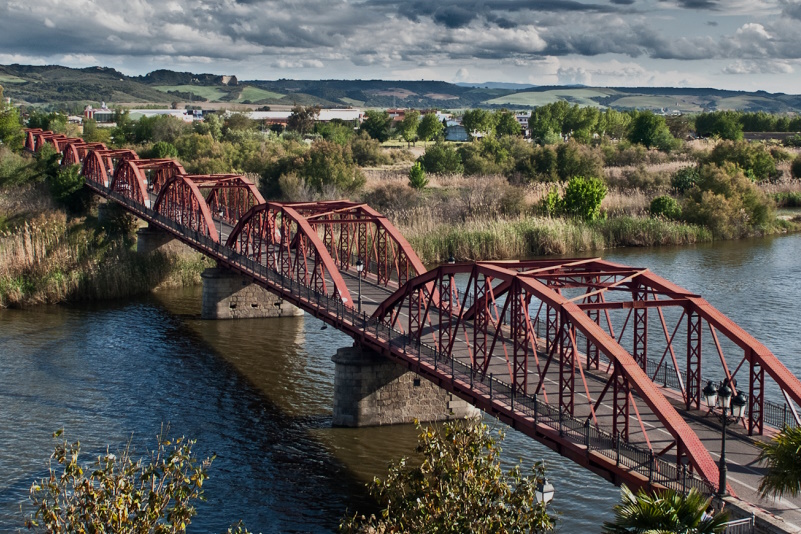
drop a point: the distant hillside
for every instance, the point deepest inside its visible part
(64, 86)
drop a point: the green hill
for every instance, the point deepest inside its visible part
(69, 88)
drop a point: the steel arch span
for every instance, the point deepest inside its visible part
(229, 196)
(180, 199)
(354, 231)
(137, 178)
(99, 165)
(76, 151)
(276, 235)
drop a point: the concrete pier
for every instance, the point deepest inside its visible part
(370, 390)
(227, 295)
(149, 239)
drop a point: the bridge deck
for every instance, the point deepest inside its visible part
(305, 245)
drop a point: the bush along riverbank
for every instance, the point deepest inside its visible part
(49, 256)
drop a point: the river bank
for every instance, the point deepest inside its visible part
(48, 256)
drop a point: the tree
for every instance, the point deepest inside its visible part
(442, 159)
(723, 124)
(409, 125)
(663, 511)
(506, 123)
(458, 487)
(650, 130)
(665, 206)
(376, 124)
(163, 149)
(479, 123)
(10, 128)
(119, 493)
(302, 119)
(417, 177)
(430, 128)
(782, 455)
(583, 197)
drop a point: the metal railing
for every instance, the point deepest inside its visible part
(741, 526)
(625, 455)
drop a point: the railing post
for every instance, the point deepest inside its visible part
(561, 414)
(651, 458)
(536, 412)
(587, 435)
(490, 386)
(512, 399)
(617, 450)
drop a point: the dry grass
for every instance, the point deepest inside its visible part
(49, 258)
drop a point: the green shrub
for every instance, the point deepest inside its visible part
(67, 188)
(573, 159)
(164, 149)
(684, 179)
(367, 152)
(541, 165)
(583, 197)
(665, 206)
(753, 158)
(551, 204)
(441, 158)
(417, 177)
(795, 167)
(727, 202)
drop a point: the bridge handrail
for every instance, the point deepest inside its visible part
(625, 454)
(777, 415)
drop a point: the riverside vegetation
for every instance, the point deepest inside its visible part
(622, 179)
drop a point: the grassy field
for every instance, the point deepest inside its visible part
(254, 94)
(540, 98)
(6, 78)
(352, 102)
(662, 101)
(743, 102)
(209, 93)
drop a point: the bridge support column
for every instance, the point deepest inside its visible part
(370, 390)
(227, 295)
(149, 239)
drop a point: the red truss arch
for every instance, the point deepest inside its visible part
(43, 138)
(353, 231)
(30, 138)
(60, 143)
(137, 179)
(231, 194)
(99, 164)
(76, 151)
(180, 200)
(277, 236)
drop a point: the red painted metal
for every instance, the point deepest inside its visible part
(75, 152)
(267, 233)
(490, 323)
(137, 179)
(99, 165)
(30, 138)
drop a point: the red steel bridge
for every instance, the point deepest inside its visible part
(603, 363)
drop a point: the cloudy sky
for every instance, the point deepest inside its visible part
(730, 44)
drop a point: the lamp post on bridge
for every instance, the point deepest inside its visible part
(359, 269)
(722, 398)
(221, 214)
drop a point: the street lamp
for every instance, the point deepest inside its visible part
(722, 398)
(221, 214)
(544, 491)
(359, 269)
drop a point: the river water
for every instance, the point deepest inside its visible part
(258, 393)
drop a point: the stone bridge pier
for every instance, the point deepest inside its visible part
(227, 295)
(370, 390)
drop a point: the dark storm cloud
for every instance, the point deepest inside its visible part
(698, 4)
(623, 2)
(459, 14)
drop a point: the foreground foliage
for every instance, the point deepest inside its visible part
(782, 455)
(118, 493)
(663, 511)
(459, 486)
